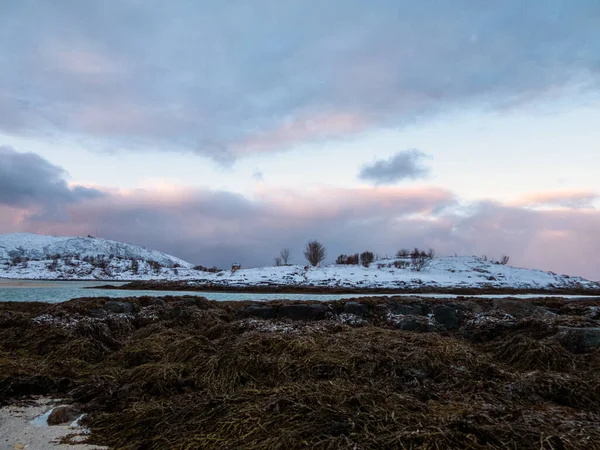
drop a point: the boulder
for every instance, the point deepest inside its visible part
(413, 323)
(262, 312)
(117, 307)
(97, 313)
(158, 302)
(303, 312)
(355, 308)
(409, 310)
(62, 414)
(580, 339)
(448, 316)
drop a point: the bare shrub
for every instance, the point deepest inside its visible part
(366, 258)
(315, 253)
(403, 253)
(504, 260)
(420, 259)
(285, 256)
(348, 259)
(277, 261)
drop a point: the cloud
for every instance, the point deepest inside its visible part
(404, 165)
(561, 199)
(26, 179)
(226, 80)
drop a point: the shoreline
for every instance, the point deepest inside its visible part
(179, 286)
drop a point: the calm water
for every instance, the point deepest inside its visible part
(60, 291)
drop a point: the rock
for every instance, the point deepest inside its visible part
(521, 309)
(119, 307)
(158, 302)
(355, 308)
(195, 301)
(409, 310)
(448, 316)
(62, 414)
(262, 312)
(97, 313)
(579, 339)
(412, 323)
(302, 312)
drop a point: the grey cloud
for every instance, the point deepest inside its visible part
(404, 165)
(212, 77)
(26, 179)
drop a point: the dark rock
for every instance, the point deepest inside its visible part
(158, 302)
(302, 312)
(580, 339)
(98, 313)
(355, 308)
(262, 312)
(62, 414)
(413, 323)
(448, 316)
(520, 309)
(409, 310)
(195, 301)
(119, 307)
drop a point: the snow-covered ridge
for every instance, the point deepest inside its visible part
(26, 255)
(455, 272)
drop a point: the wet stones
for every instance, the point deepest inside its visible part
(448, 316)
(580, 339)
(355, 308)
(262, 312)
(302, 312)
(119, 307)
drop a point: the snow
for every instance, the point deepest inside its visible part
(443, 272)
(74, 264)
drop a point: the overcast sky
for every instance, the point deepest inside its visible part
(223, 131)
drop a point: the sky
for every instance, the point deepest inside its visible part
(226, 131)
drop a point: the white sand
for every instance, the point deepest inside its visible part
(17, 432)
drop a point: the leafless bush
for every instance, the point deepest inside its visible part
(348, 259)
(315, 253)
(404, 253)
(277, 261)
(420, 259)
(504, 260)
(366, 258)
(285, 256)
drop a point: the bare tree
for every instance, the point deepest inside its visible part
(314, 253)
(285, 256)
(504, 260)
(277, 261)
(366, 258)
(420, 260)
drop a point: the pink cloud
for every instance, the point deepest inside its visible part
(303, 129)
(560, 199)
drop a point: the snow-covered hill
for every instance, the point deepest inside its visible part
(444, 272)
(25, 255)
(31, 256)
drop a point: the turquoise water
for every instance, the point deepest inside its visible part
(61, 291)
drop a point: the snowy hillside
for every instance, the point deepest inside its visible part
(31, 256)
(442, 272)
(25, 255)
